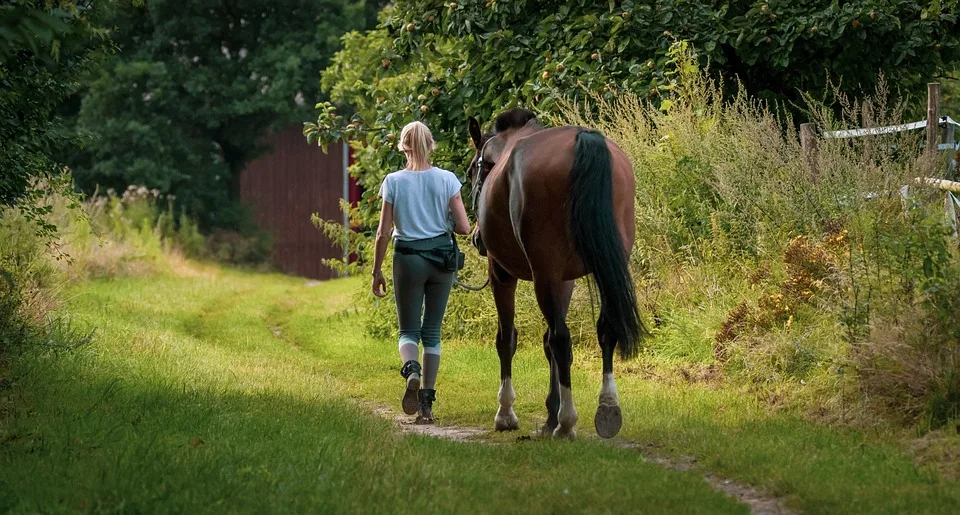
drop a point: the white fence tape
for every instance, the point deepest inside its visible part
(890, 129)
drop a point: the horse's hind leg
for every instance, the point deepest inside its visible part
(504, 294)
(608, 418)
(554, 300)
(553, 397)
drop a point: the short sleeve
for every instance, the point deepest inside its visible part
(386, 192)
(453, 185)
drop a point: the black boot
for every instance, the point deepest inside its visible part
(410, 372)
(426, 406)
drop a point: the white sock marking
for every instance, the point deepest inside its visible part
(506, 396)
(568, 412)
(506, 418)
(608, 392)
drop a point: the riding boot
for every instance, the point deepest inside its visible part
(426, 406)
(411, 372)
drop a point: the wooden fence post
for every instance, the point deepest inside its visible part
(933, 118)
(808, 141)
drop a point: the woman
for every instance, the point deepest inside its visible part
(418, 202)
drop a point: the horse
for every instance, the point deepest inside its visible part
(554, 205)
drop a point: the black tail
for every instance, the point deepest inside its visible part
(596, 238)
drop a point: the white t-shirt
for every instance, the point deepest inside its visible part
(421, 202)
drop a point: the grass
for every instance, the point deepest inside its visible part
(232, 391)
(198, 395)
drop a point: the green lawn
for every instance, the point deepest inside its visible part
(232, 392)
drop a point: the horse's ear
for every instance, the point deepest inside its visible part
(475, 133)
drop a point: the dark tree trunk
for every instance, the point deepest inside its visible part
(236, 160)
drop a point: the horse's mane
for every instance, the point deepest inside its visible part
(515, 118)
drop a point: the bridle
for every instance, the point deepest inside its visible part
(479, 178)
(478, 187)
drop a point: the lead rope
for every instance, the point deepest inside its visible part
(456, 282)
(456, 274)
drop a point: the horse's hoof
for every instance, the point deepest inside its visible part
(569, 434)
(608, 420)
(546, 430)
(508, 423)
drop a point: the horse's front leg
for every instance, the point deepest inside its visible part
(504, 294)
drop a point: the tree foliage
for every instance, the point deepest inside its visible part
(44, 48)
(441, 61)
(194, 87)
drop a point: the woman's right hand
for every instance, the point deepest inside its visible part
(379, 286)
(461, 224)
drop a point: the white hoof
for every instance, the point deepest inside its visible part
(506, 420)
(562, 432)
(546, 431)
(568, 415)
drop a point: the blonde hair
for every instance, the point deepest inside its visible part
(417, 143)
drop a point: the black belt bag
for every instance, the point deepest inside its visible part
(448, 258)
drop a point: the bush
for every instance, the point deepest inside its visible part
(822, 273)
(31, 281)
(137, 231)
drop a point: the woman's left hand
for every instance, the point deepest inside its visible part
(379, 286)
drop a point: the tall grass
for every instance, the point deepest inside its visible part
(836, 275)
(133, 233)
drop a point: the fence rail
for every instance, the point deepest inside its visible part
(945, 121)
(940, 132)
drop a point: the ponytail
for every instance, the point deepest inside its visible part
(417, 143)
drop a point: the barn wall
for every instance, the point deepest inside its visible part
(284, 187)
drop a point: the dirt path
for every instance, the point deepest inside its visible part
(758, 502)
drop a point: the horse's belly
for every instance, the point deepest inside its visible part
(503, 248)
(518, 269)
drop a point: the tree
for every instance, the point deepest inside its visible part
(478, 57)
(194, 87)
(43, 51)
(951, 92)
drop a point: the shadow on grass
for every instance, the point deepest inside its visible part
(88, 440)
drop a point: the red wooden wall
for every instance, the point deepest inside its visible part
(284, 187)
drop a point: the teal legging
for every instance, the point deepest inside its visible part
(420, 286)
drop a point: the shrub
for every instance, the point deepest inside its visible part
(815, 265)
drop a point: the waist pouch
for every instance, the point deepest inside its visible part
(447, 255)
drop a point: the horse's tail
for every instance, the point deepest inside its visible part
(597, 240)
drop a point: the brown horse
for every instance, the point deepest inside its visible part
(554, 205)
